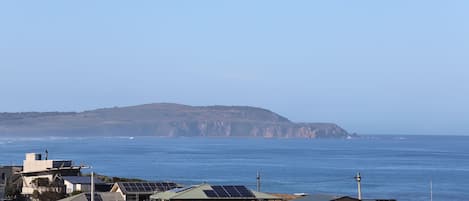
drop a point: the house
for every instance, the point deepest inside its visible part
(209, 192)
(79, 183)
(40, 175)
(7, 171)
(8, 178)
(98, 196)
(141, 191)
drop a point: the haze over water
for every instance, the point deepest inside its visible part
(398, 167)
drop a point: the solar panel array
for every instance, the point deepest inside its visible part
(149, 187)
(228, 191)
(97, 197)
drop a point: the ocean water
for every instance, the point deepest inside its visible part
(399, 167)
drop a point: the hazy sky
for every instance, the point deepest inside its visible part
(375, 67)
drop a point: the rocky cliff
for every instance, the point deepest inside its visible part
(164, 119)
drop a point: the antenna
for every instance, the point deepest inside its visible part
(359, 179)
(47, 154)
(258, 178)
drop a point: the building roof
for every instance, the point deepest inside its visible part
(204, 191)
(287, 197)
(103, 187)
(346, 198)
(143, 187)
(81, 180)
(378, 199)
(318, 197)
(99, 196)
(50, 170)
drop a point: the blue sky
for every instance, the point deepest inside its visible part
(374, 67)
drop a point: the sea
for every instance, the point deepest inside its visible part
(400, 167)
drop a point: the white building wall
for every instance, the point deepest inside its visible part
(33, 163)
(77, 187)
(85, 187)
(69, 186)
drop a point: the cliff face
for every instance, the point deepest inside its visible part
(166, 120)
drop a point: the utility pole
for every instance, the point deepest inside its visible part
(359, 179)
(431, 190)
(258, 178)
(92, 186)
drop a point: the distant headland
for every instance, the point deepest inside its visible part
(166, 120)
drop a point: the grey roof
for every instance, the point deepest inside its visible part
(81, 180)
(379, 200)
(346, 198)
(104, 196)
(318, 197)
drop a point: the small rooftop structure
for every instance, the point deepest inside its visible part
(209, 192)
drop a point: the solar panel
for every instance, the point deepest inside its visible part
(232, 191)
(168, 186)
(245, 192)
(210, 194)
(140, 188)
(147, 186)
(220, 191)
(124, 186)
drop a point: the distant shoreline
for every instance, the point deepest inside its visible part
(360, 137)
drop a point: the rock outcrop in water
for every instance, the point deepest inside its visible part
(165, 119)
